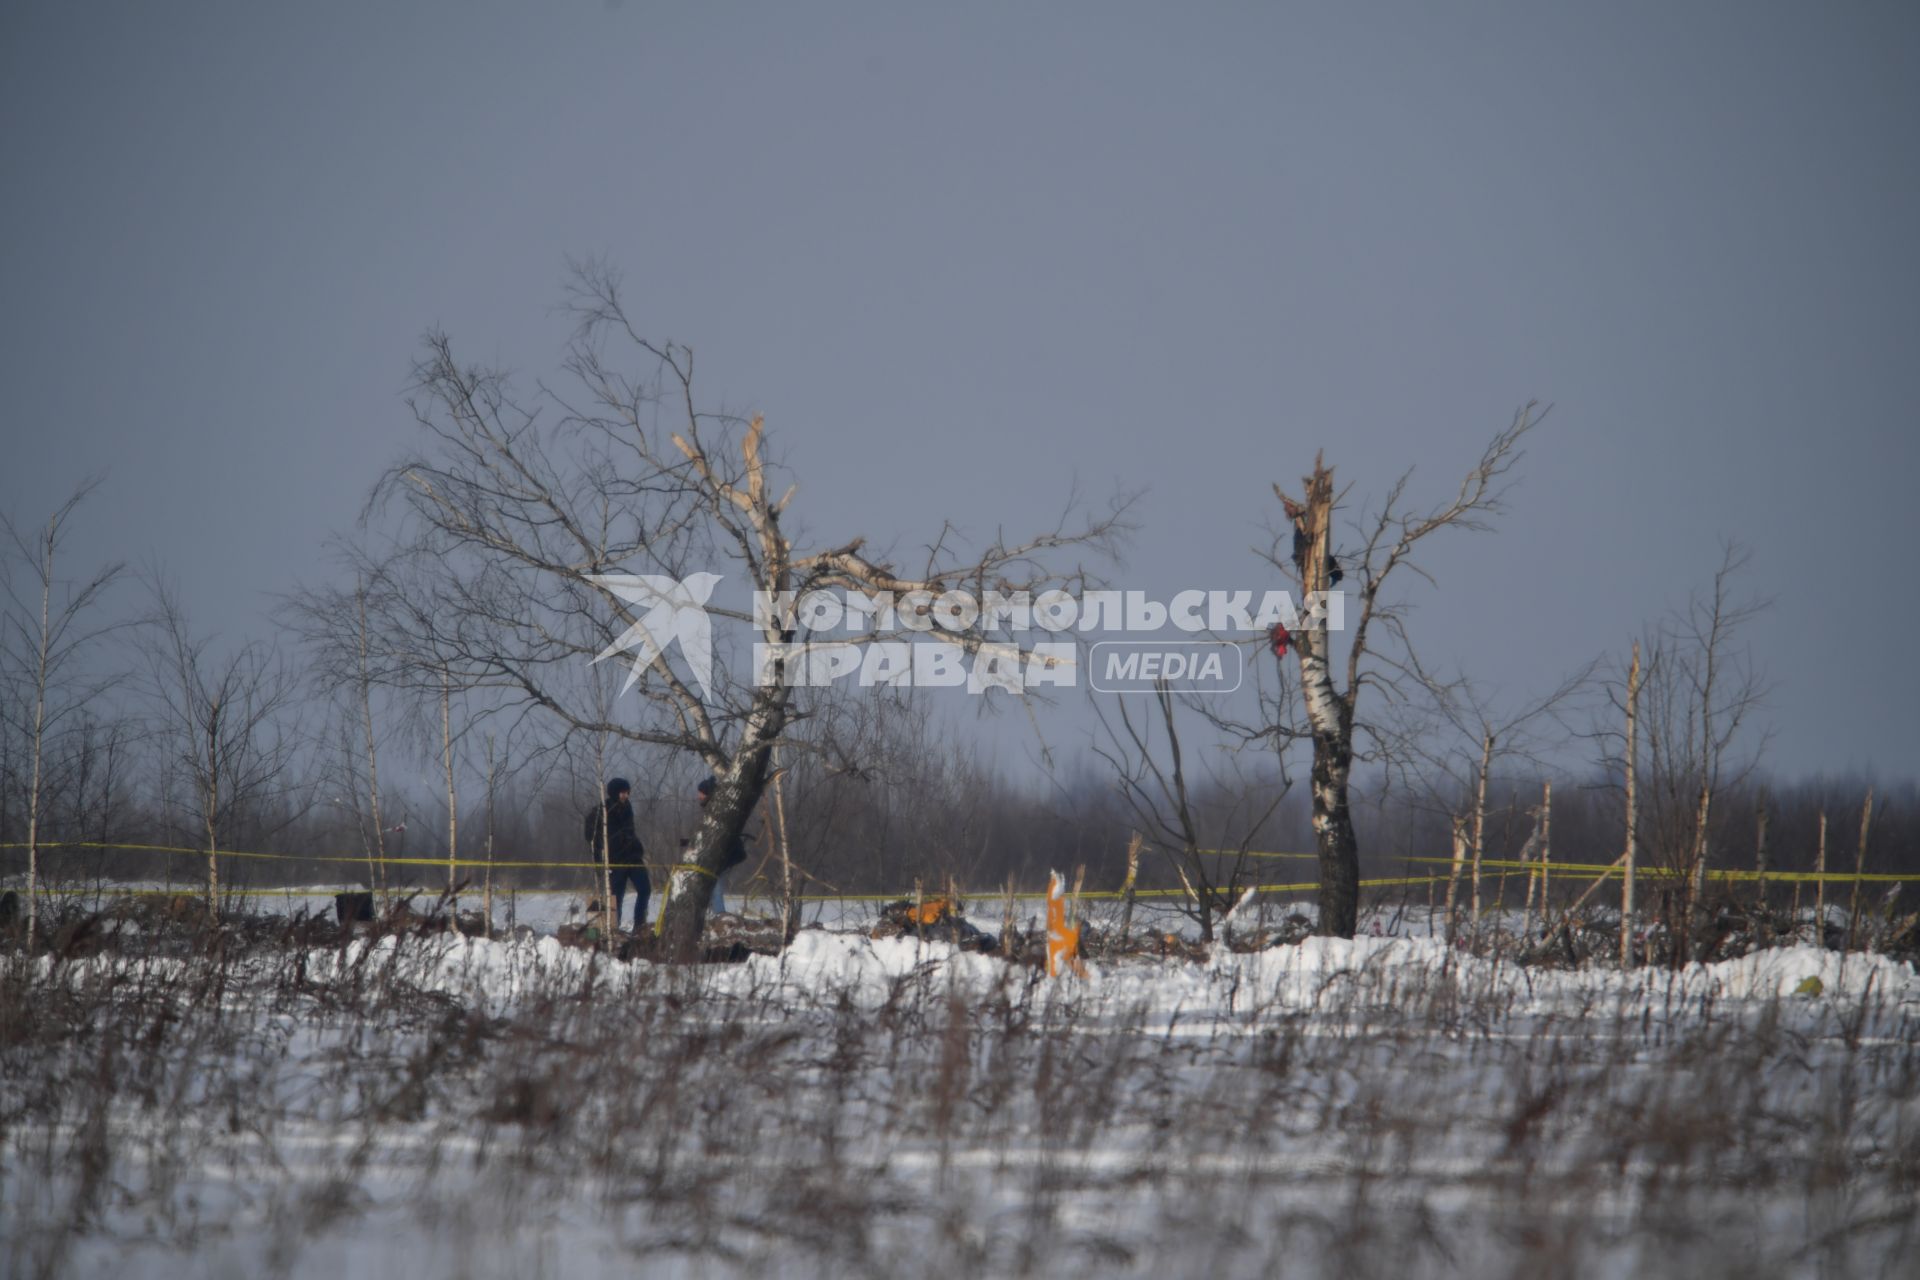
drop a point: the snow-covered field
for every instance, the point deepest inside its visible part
(447, 1107)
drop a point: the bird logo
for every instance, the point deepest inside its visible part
(674, 610)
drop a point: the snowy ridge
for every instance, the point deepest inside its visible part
(493, 975)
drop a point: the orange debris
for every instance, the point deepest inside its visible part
(931, 910)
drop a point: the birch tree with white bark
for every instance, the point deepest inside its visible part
(48, 626)
(1337, 671)
(223, 720)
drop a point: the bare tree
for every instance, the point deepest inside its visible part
(1209, 844)
(348, 661)
(1697, 695)
(519, 518)
(1388, 541)
(1474, 736)
(84, 769)
(222, 718)
(50, 626)
(870, 770)
(433, 706)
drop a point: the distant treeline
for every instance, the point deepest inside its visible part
(935, 815)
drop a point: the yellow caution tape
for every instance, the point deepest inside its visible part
(1610, 870)
(1615, 869)
(358, 860)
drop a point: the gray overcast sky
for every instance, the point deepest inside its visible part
(961, 254)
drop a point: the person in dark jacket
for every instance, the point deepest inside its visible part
(610, 835)
(736, 853)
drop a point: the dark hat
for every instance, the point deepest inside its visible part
(706, 785)
(615, 786)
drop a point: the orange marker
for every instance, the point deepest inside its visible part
(1063, 940)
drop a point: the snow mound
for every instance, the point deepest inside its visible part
(1779, 971)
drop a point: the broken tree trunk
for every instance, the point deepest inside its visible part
(453, 810)
(1538, 850)
(1820, 885)
(1694, 891)
(1330, 713)
(736, 791)
(1546, 844)
(789, 895)
(1859, 868)
(1480, 822)
(1453, 879)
